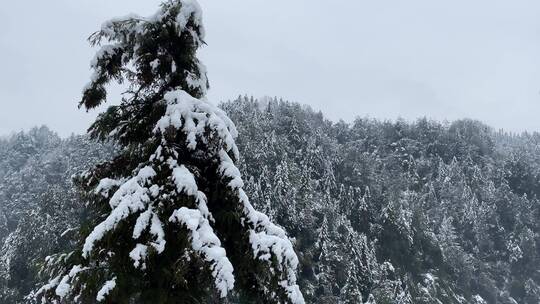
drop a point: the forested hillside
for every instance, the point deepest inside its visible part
(40, 210)
(380, 212)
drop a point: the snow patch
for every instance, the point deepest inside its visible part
(138, 255)
(106, 289)
(206, 243)
(105, 185)
(64, 287)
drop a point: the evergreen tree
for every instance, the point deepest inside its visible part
(171, 221)
(351, 292)
(284, 196)
(325, 261)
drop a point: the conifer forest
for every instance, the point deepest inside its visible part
(174, 198)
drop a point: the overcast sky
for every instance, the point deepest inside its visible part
(383, 59)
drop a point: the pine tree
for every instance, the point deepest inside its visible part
(284, 195)
(360, 262)
(326, 250)
(351, 293)
(172, 223)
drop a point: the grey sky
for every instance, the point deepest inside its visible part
(441, 59)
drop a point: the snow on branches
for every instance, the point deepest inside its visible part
(194, 118)
(124, 52)
(137, 195)
(176, 146)
(132, 196)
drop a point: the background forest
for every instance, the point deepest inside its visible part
(380, 211)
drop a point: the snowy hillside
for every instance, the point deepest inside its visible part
(387, 212)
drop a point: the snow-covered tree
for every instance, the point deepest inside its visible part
(172, 222)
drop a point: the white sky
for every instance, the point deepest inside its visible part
(384, 59)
